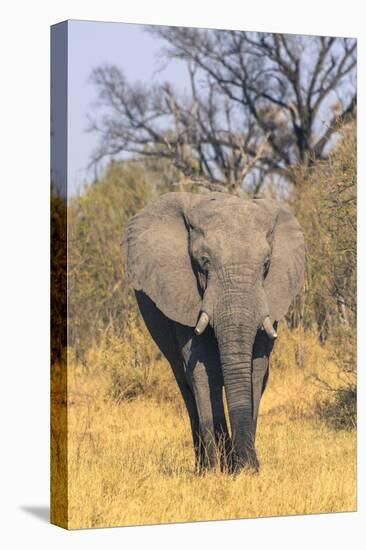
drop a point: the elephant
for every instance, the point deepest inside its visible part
(213, 274)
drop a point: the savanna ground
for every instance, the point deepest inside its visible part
(121, 443)
(131, 457)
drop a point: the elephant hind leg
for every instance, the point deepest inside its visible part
(163, 333)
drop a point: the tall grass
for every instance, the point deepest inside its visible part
(132, 458)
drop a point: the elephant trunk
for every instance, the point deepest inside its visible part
(239, 313)
(236, 345)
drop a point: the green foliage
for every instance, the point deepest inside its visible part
(99, 295)
(58, 215)
(325, 205)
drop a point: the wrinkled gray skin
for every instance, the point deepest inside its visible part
(240, 261)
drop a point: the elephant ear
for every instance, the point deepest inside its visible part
(287, 265)
(158, 260)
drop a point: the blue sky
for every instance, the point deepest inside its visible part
(95, 43)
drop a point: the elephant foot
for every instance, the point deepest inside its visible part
(204, 464)
(249, 463)
(202, 469)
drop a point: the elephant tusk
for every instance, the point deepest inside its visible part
(202, 323)
(267, 325)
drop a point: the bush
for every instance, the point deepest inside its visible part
(58, 219)
(123, 368)
(100, 298)
(340, 413)
(325, 205)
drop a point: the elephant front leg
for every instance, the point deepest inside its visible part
(201, 462)
(207, 441)
(215, 447)
(260, 376)
(204, 377)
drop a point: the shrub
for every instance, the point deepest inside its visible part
(58, 225)
(125, 367)
(99, 296)
(325, 205)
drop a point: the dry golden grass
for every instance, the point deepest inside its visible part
(131, 461)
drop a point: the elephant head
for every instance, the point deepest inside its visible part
(219, 259)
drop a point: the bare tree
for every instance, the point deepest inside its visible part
(258, 104)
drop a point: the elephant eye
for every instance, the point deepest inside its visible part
(205, 262)
(266, 266)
